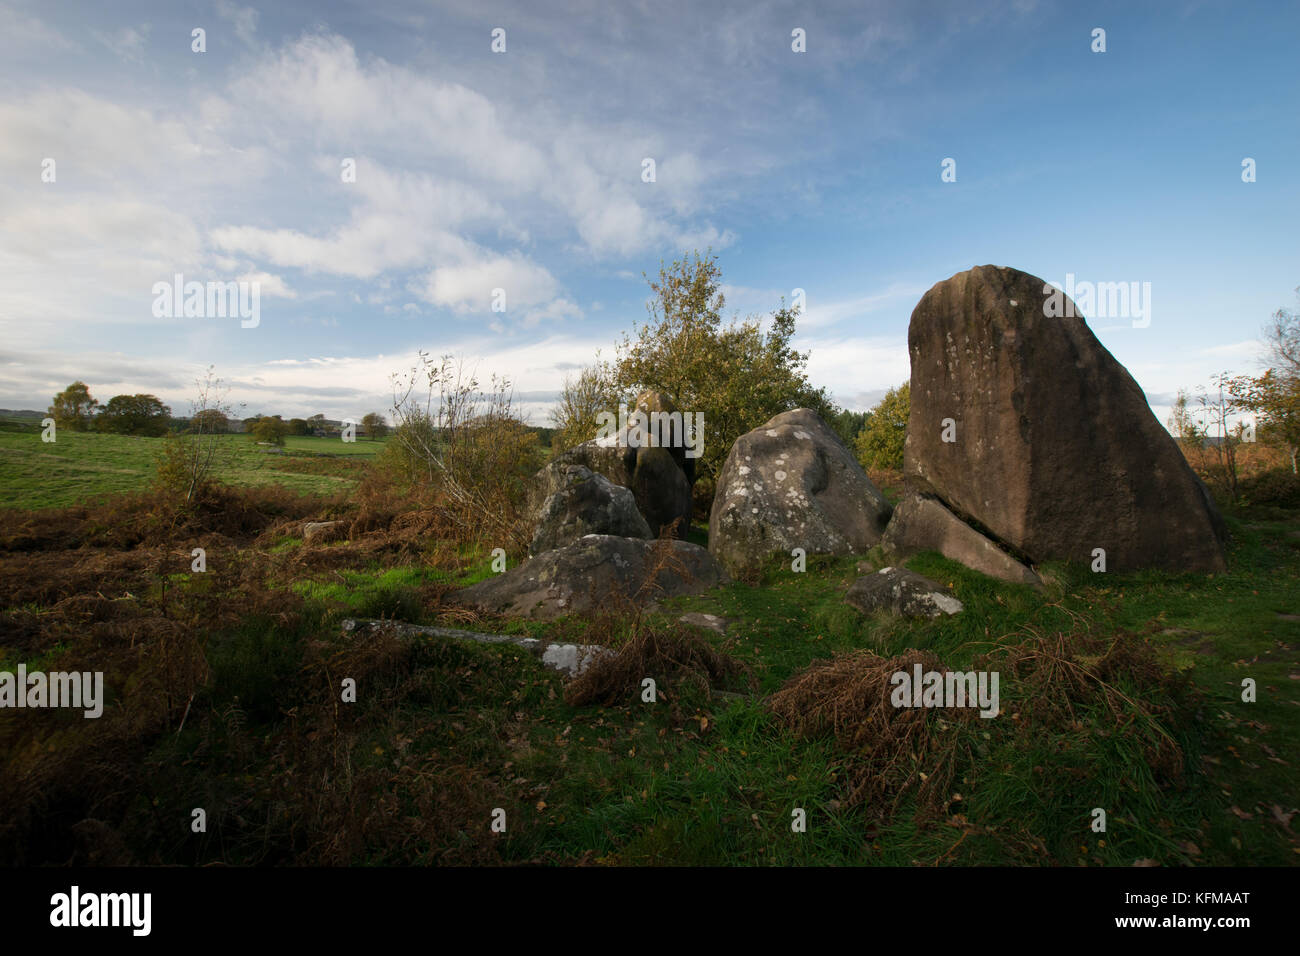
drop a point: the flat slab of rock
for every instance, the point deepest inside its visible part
(322, 532)
(903, 592)
(569, 659)
(1054, 449)
(793, 484)
(923, 524)
(581, 502)
(581, 576)
(710, 622)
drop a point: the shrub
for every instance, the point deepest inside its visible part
(1279, 487)
(466, 446)
(879, 444)
(270, 429)
(737, 375)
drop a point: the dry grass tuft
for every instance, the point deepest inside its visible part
(676, 658)
(894, 749)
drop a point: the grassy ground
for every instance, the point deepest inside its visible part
(234, 706)
(83, 465)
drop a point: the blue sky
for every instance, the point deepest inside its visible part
(522, 170)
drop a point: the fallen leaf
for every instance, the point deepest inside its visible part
(1237, 811)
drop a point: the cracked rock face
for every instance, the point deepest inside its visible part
(923, 524)
(902, 592)
(580, 503)
(579, 576)
(1056, 452)
(788, 484)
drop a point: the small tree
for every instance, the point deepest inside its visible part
(1219, 425)
(1275, 401)
(374, 425)
(212, 421)
(582, 399)
(1282, 340)
(848, 424)
(134, 415)
(737, 375)
(189, 461)
(271, 429)
(73, 407)
(880, 442)
(465, 444)
(1181, 422)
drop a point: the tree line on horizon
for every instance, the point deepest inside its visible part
(76, 409)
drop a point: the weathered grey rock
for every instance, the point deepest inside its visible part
(604, 457)
(322, 532)
(660, 477)
(1056, 452)
(569, 659)
(923, 524)
(662, 492)
(710, 622)
(903, 592)
(671, 430)
(581, 576)
(583, 503)
(792, 484)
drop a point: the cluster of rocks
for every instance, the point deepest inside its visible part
(659, 477)
(1026, 442)
(595, 513)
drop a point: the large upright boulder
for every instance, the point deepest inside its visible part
(661, 491)
(792, 484)
(1052, 450)
(580, 503)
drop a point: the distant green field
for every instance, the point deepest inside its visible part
(83, 465)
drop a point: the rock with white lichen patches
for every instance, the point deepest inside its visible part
(902, 592)
(788, 484)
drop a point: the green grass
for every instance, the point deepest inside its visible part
(658, 793)
(697, 780)
(692, 780)
(81, 466)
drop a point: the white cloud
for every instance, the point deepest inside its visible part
(25, 34)
(270, 285)
(468, 286)
(856, 369)
(243, 19)
(898, 296)
(128, 42)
